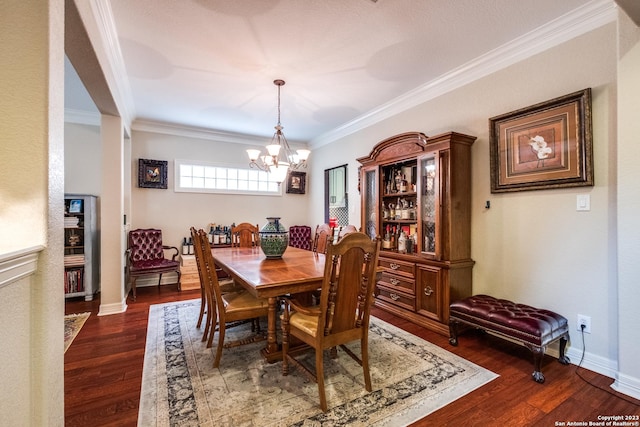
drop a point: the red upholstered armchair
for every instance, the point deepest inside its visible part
(300, 236)
(145, 255)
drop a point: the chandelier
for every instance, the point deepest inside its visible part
(279, 158)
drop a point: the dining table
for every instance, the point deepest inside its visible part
(298, 271)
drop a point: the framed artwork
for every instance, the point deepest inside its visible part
(547, 145)
(296, 182)
(152, 173)
(75, 206)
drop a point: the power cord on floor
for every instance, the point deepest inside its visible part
(589, 382)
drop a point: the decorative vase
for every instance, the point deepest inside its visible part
(274, 238)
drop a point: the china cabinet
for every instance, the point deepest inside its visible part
(416, 196)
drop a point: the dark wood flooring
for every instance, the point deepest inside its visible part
(103, 373)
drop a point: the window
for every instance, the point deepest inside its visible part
(202, 177)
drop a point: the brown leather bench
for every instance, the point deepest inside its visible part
(534, 327)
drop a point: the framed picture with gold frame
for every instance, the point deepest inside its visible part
(547, 145)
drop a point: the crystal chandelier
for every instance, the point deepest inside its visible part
(279, 158)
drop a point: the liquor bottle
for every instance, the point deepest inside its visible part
(386, 242)
(185, 247)
(402, 243)
(190, 246)
(211, 234)
(216, 235)
(404, 185)
(392, 179)
(398, 180)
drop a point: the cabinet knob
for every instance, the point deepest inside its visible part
(394, 296)
(394, 281)
(394, 266)
(428, 291)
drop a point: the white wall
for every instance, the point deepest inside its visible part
(175, 212)
(83, 167)
(532, 247)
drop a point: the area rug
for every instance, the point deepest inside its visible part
(411, 378)
(72, 325)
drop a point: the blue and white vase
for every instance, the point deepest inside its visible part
(274, 238)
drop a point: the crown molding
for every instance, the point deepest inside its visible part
(202, 133)
(580, 21)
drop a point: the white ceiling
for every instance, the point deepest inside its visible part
(210, 64)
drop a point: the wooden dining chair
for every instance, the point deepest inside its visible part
(245, 235)
(226, 287)
(324, 233)
(347, 229)
(225, 308)
(343, 313)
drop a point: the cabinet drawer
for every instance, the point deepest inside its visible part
(397, 283)
(395, 266)
(400, 299)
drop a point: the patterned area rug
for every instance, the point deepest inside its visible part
(72, 325)
(410, 377)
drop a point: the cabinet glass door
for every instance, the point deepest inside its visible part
(429, 204)
(369, 203)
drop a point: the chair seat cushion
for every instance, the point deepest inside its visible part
(305, 323)
(153, 265)
(529, 324)
(242, 301)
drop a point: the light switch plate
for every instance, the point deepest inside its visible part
(583, 202)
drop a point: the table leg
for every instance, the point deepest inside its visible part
(272, 343)
(272, 351)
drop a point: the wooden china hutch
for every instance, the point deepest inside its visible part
(416, 196)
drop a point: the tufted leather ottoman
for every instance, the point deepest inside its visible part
(534, 327)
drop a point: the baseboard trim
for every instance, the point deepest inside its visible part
(627, 385)
(115, 308)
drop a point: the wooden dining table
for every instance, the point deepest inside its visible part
(298, 271)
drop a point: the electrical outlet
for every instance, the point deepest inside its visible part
(586, 321)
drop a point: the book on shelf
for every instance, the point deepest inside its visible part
(73, 281)
(71, 221)
(70, 260)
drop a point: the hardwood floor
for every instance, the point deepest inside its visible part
(103, 373)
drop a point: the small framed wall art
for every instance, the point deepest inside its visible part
(296, 182)
(547, 145)
(152, 173)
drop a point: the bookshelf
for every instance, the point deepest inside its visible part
(81, 246)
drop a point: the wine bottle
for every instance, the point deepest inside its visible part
(185, 247)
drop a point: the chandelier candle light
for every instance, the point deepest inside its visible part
(273, 162)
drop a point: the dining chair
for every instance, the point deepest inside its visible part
(347, 229)
(145, 256)
(343, 313)
(324, 233)
(245, 235)
(224, 308)
(300, 237)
